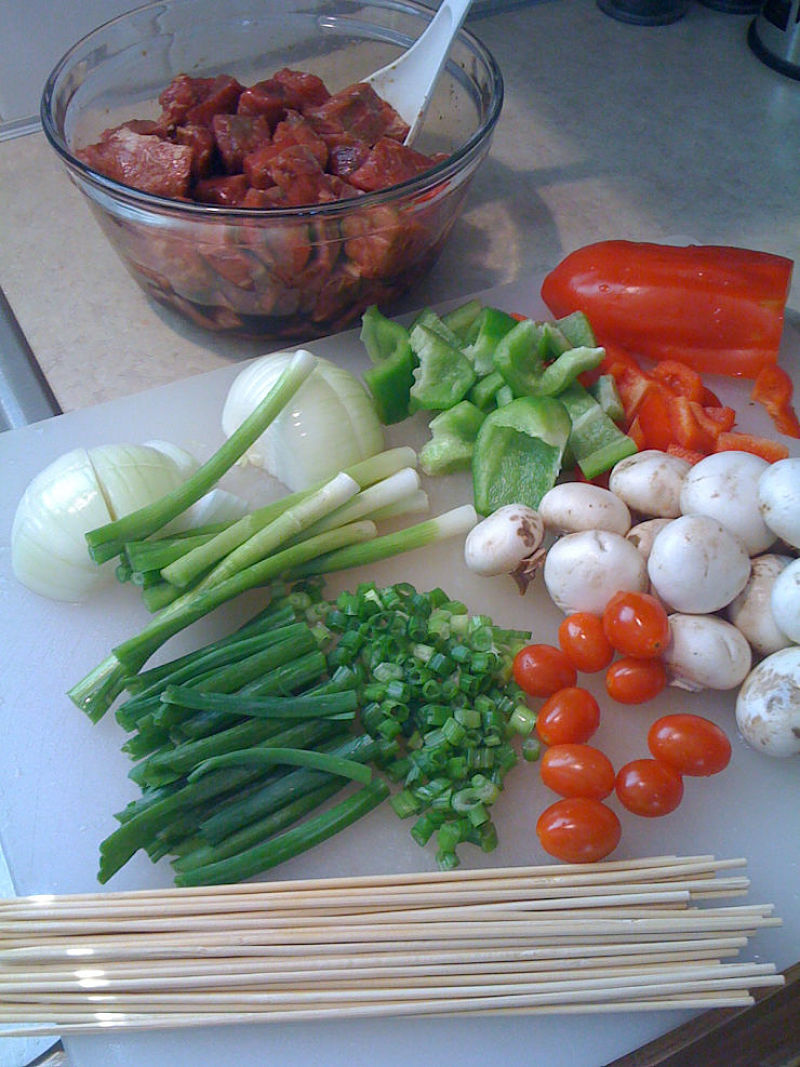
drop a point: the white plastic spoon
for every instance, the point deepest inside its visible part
(407, 83)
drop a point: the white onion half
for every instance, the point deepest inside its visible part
(79, 491)
(329, 424)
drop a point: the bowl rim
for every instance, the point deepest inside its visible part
(190, 210)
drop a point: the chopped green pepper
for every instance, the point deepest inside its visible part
(391, 375)
(453, 435)
(461, 318)
(518, 452)
(557, 375)
(596, 442)
(606, 393)
(486, 333)
(577, 329)
(519, 356)
(444, 375)
(483, 394)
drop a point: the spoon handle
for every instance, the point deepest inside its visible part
(408, 82)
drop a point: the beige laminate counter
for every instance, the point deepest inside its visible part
(608, 130)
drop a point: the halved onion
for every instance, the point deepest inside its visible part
(329, 425)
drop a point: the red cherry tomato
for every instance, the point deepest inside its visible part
(582, 638)
(634, 681)
(649, 787)
(636, 624)
(542, 669)
(577, 771)
(578, 830)
(570, 716)
(690, 744)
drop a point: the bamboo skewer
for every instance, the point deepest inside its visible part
(622, 935)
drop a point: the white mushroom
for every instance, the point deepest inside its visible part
(697, 566)
(751, 612)
(785, 601)
(768, 704)
(573, 506)
(582, 571)
(724, 486)
(643, 534)
(705, 652)
(502, 541)
(779, 499)
(650, 482)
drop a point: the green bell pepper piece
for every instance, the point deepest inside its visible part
(518, 452)
(595, 441)
(486, 333)
(483, 394)
(461, 318)
(606, 393)
(453, 435)
(519, 356)
(435, 323)
(443, 376)
(565, 369)
(391, 375)
(577, 329)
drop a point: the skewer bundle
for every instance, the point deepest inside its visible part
(615, 936)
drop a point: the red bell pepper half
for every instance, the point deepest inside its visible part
(719, 310)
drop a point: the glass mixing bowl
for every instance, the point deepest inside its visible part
(280, 272)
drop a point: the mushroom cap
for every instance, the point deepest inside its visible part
(696, 565)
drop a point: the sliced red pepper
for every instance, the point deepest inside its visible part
(689, 454)
(720, 310)
(654, 418)
(679, 379)
(769, 450)
(687, 429)
(717, 418)
(773, 388)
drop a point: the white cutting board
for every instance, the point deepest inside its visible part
(61, 778)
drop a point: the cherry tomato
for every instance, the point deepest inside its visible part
(633, 681)
(649, 787)
(690, 744)
(578, 830)
(636, 624)
(582, 638)
(570, 716)
(543, 669)
(577, 771)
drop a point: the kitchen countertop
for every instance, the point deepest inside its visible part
(608, 130)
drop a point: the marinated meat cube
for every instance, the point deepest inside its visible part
(228, 191)
(236, 266)
(255, 166)
(358, 110)
(238, 135)
(292, 164)
(381, 242)
(269, 98)
(181, 93)
(220, 98)
(259, 198)
(303, 90)
(294, 130)
(388, 163)
(201, 141)
(197, 100)
(143, 161)
(297, 173)
(345, 153)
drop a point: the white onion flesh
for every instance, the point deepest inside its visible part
(329, 424)
(76, 493)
